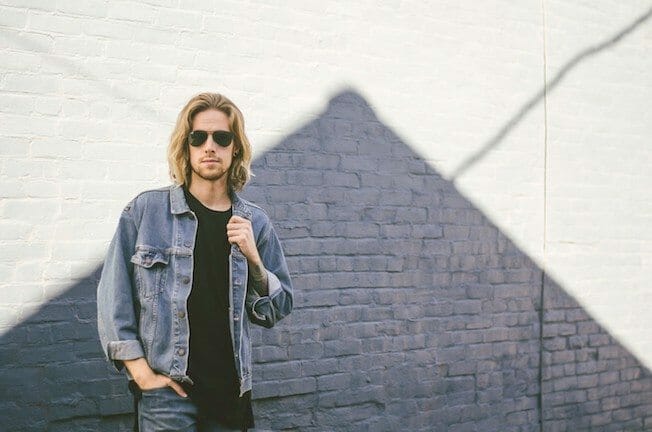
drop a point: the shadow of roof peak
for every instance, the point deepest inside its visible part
(349, 103)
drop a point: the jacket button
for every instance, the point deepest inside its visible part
(236, 317)
(181, 351)
(185, 279)
(181, 314)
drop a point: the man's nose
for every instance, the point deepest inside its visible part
(210, 144)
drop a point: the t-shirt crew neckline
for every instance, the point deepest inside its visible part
(202, 207)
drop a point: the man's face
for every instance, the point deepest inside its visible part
(210, 161)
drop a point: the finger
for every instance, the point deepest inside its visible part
(235, 239)
(240, 230)
(238, 219)
(177, 388)
(234, 230)
(239, 222)
(239, 234)
(237, 230)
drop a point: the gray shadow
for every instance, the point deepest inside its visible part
(471, 160)
(413, 311)
(53, 375)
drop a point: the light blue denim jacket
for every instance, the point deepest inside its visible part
(147, 276)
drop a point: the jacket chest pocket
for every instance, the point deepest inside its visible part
(150, 270)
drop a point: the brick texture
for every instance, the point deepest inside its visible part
(397, 323)
(413, 310)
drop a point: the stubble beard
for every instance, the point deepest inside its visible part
(210, 175)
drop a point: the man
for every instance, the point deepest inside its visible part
(189, 268)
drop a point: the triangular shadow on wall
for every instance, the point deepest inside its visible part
(412, 311)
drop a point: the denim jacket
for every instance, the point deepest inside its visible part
(147, 278)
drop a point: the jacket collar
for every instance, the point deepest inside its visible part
(178, 204)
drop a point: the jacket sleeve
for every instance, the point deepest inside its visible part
(117, 316)
(268, 310)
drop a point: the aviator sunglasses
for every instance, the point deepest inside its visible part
(199, 137)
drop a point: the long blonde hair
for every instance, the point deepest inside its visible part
(178, 153)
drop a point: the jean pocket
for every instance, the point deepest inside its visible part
(156, 390)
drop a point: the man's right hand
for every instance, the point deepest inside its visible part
(147, 379)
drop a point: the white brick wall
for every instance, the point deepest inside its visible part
(90, 91)
(599, 240)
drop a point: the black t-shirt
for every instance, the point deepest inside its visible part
(211, 364)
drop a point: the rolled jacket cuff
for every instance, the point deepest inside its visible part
(273, 284)
(125, 350)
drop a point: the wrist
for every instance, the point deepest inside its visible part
(255, 261)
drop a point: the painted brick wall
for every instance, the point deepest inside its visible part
(591, 382)
(413, 310)
(421, 298)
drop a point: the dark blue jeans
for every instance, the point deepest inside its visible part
(164, 410)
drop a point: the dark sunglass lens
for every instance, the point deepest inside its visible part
(198, 138)
(223, 138)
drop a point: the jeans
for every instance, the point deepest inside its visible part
(164, 410)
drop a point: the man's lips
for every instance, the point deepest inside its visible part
(209, 161)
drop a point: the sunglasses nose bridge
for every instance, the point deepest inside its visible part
(210, 143)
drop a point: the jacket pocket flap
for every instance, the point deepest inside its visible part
(147, 257)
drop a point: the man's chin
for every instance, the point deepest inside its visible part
(210, 175)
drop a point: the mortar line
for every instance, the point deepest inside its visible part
(545, 217)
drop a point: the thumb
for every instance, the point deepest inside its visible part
(177, 388)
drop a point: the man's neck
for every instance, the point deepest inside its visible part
(212, 194)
